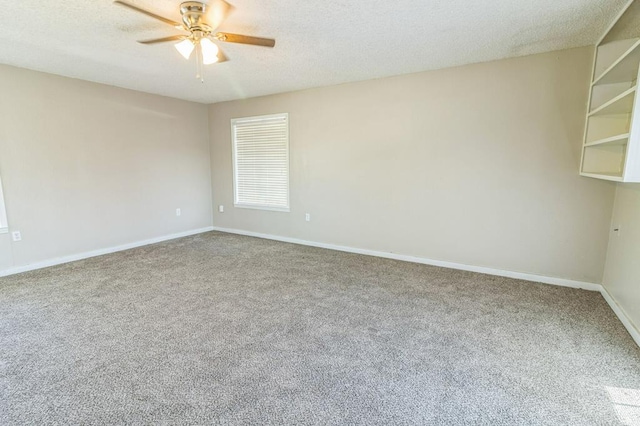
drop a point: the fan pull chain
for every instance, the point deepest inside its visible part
(199, 65)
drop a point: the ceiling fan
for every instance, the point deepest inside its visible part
(200, 20)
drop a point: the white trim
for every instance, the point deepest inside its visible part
(622, 316)
(274, 117)
(4, 230)
(480, 269)
(267, 208)
(633, 331)
(100, 252)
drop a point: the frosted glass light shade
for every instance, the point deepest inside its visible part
(209, 51)
(185, 47)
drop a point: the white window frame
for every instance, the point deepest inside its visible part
(4, 225)
(236, 203)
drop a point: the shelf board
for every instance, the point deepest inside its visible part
(606, 176)
(625, 68)
(613, 140)
(621, 104)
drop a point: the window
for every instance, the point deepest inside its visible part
(4, 226)
(261, 162)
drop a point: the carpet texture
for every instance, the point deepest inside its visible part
(225, 329)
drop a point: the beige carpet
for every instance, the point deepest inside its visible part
(224, 329)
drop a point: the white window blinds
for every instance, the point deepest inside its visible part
(261, 162)
(4, 226)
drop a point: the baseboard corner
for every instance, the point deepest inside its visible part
(622, 316)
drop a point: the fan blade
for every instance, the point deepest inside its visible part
(151, 14)
(216, 12)
(239, 38)
(164, 39)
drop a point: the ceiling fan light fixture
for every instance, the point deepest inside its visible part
(209, 51)
(201, 19)
(185, 47)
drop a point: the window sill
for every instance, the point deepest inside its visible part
(267, 208)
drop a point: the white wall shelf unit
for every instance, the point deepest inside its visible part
(611, 148)
(621, 104)
(625, 68)
(613, 140)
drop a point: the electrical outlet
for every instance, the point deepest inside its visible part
(178, 212)
(16, 236)
(307, 217)
(221, 209)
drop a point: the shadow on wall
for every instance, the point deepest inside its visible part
(127, 107)
(6, 256)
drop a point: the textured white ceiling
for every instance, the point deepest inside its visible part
(319, 43)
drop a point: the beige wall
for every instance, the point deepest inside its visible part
(622, 274)
(87, 166)
(475, 165)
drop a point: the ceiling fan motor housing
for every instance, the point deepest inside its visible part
(193, 16)
(200, 20)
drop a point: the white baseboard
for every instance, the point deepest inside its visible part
(635, 334)
(622, 316)
(451, 265)
(100, 252)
